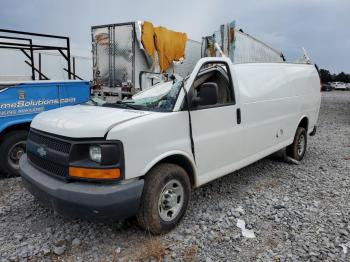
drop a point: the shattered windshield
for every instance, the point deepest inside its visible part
(160, 97)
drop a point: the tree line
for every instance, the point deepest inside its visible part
(326, 76)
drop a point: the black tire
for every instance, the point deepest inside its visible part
(156, 181)
(297, 150)
(9, 154)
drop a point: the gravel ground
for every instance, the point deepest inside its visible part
(296, 213)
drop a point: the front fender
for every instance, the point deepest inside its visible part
(159, 158)
(6, 124)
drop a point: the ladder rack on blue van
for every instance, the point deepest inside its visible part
(26, 43)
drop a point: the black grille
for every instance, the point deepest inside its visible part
(56, 153)
(47, 165)
(49, 142)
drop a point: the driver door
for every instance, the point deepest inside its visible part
(216, 127)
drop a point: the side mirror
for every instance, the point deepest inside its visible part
(207, 95)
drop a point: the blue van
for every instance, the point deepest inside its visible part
(20, 102)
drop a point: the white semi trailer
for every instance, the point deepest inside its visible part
(121, 67)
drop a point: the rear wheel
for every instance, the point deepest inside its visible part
(12, 147)
(165, 198)
(298, 148)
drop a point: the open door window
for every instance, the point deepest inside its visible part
(212, 87)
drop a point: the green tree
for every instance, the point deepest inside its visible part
(342, 77)
(325, 76)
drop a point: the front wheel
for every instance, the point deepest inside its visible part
(298, 148)
(12, 147)
(165, 198)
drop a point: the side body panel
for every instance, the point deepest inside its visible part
(269, 106)
(305, 83)
(274, 98)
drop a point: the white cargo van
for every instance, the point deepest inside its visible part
(144, 155)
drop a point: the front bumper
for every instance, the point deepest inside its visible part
(85, 200)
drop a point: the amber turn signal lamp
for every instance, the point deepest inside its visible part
(92, 173)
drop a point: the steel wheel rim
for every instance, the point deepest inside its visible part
(171, 200)
(15, 153)
(301, 145)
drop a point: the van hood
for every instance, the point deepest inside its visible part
(83, 121)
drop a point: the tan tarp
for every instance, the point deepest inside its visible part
(147, 38)
(170, 45)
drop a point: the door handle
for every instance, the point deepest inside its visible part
(238, 113)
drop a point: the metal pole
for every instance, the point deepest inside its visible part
(109, 57)
(40, 78)
(74, 68)
(32, 34)
(32, 59)
(113, 55)
(45, 77)
(68, 60)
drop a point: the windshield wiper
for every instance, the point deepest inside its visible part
(128, 104)
(92, 101)
(120, 104)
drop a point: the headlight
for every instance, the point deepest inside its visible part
(95, 153)
(99, 160)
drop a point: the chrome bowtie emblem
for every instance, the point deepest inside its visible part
(41, 151)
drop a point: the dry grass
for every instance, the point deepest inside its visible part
(265, 185)
(114, 256)
(272, 243)
(145, 249)
(190, 253)
(219, 238)
(64, 258)
(151, 247)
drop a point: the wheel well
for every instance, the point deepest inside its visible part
(182, 161)
(22, 126)
(304, 123)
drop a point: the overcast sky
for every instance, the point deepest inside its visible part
(321, 26)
